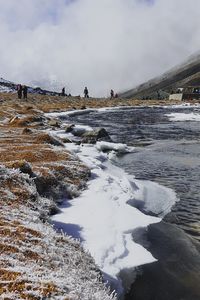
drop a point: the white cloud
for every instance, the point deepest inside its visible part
(103, 44)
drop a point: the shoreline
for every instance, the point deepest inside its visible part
(95, 159)
(22, 124)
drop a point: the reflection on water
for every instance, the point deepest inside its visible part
(172, 157)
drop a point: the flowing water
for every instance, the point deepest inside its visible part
(167, 152)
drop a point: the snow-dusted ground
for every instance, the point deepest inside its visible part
(184, 116)
(5, 89)
(39, 255)
(103, 217)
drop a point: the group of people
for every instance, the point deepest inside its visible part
(112, 94)
(22, 91)
(86, 93)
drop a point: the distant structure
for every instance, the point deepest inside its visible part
(188, 93)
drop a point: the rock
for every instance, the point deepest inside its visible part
(25, 168)
(91, 137)
(78, 132)
(69, 128)
(38, 118)
(48, 139)
(27, 131)
(54, 123)
(22, 165)
(27, 121)
(29, 107)
(54, 209)
(66, 140)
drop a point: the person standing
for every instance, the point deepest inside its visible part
(19, 91)
(86, 93)
(63, 92)
(111, 94)
(25, 91)
(116, 95)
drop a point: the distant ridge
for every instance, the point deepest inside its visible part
(186, 74)
(7, 86)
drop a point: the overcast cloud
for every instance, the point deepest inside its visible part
(103, 44)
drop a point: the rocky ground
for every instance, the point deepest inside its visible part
(36, 174)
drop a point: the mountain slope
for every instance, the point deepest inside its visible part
(187, 74)
(10, 87)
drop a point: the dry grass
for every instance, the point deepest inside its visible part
(45, 138)
(34, 156)
(21, 244)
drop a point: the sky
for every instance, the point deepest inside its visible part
(101, 44)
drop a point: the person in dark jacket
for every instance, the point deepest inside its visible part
(63, 92)
(25, 91)
(19, 91)
(111, 94)
(86, 93)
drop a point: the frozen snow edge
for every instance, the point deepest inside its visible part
(181, 117)
(103, 217)
(112, 108)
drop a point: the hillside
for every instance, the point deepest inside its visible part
(7, 86)
(186, 74)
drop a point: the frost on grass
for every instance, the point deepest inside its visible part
(36, 262)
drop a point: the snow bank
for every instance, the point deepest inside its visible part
(80, 129)
(71, 112)
(102, 217)
(184, 117)
(153, 198)
(105, 215)
(120, 148)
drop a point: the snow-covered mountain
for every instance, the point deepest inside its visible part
(7, 86)
(186, 74)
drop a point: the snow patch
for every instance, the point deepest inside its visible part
(108, 146)
(153, 198)
(81, 129)
(5, 89)
(70, 113)
(178, 117)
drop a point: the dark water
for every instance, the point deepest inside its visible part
(168, 153)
